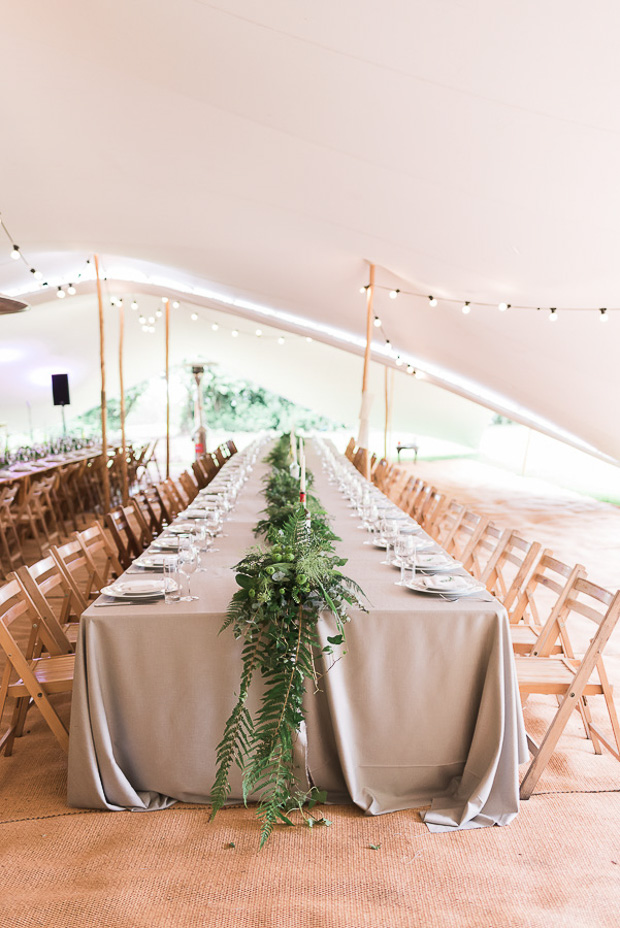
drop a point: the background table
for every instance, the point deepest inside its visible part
(424, 706)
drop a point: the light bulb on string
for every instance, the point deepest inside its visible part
(176, 304)
(432, 301)
(603, 315)
(142, 320)
(365, 288)
(134, 305)
(60, 293)
(15, 253)
(394, 293)
(399, 361)
(151, 320)
(388, 344)
(71, 290)
(280, 341)
(466, 308)
(158, 313)
(553, 314)
(36, 274)
(194, 317)
(258, 333)
(410, 370)
(308, 338)
(235, 333)
(503, 307)
(377, 322)
(215, 326)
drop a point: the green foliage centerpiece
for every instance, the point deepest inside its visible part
(282, 591)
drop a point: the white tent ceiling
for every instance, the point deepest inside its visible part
(267, 152)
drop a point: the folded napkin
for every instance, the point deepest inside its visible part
(446, 584)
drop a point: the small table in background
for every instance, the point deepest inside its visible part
(412, 447)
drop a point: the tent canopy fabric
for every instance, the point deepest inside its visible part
(264, 154)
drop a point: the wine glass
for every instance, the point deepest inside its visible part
(404, 549)
(188, 563)
(202, 543)
(389, 531)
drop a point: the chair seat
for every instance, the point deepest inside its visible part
(550, 675)
(524, 638)
(55, 674)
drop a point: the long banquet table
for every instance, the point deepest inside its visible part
(423, 708)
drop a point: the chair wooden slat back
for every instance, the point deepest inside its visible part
(51, 595)
(189, 485)
(470, 528)
(27, 678)
(231, 446)
(573, 680)
(350, 449)
(74, 564)
(100, 555)
(491, 543)
(509, 567)
(123, 533)
(11, 554)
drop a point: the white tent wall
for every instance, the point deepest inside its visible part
(62, 337)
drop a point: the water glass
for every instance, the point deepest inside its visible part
(188, 563)
(172, 586)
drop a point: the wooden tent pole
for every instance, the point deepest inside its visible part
(167, 302)
(387, 413)
(121, 339)
(105, 477)
(365, 411)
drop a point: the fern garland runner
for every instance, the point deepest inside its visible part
(282, 591)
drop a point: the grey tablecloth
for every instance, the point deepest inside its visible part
(422, 709)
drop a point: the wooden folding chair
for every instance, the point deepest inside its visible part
(189, 485)
(409, 488)
(123, 534)
(54, 595)
(542, 601)
(26, 678)
(508, 569)
(572, 680)
(231, 446)
(448, 524)
(430, 509)
(11, 554)
(490, 544)
(471, 526)
(78, 569)
(100, 556)
(350, 449)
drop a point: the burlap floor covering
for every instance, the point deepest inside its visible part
(557, 865)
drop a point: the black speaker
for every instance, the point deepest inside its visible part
(60, 389)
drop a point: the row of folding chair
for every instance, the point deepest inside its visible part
(540, 594)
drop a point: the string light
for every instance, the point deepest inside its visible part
(176, 304)
(604, 317)
(365, 288)
(15, 254)
(553, 315)
(280, 341)
(215, 326)
(193, 317)
(134, 305)
(467, 305)
(60, 293)
(71, 290)
(377, 322)
(235, 333)
(158, 313)
(259, 332)
(142, 320)
(308, 338)
(36, 274)
(151, 320)
(410, 370)
(399, 361)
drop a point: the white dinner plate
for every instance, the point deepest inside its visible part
(433, 563)
(181, 528)
(419, 544)
(165, 544)
(418, 585)
(138, 589)
(151, 561)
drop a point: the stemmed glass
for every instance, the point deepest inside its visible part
(202, 542)
(188, 563)
(389, 532)
(405, 550)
